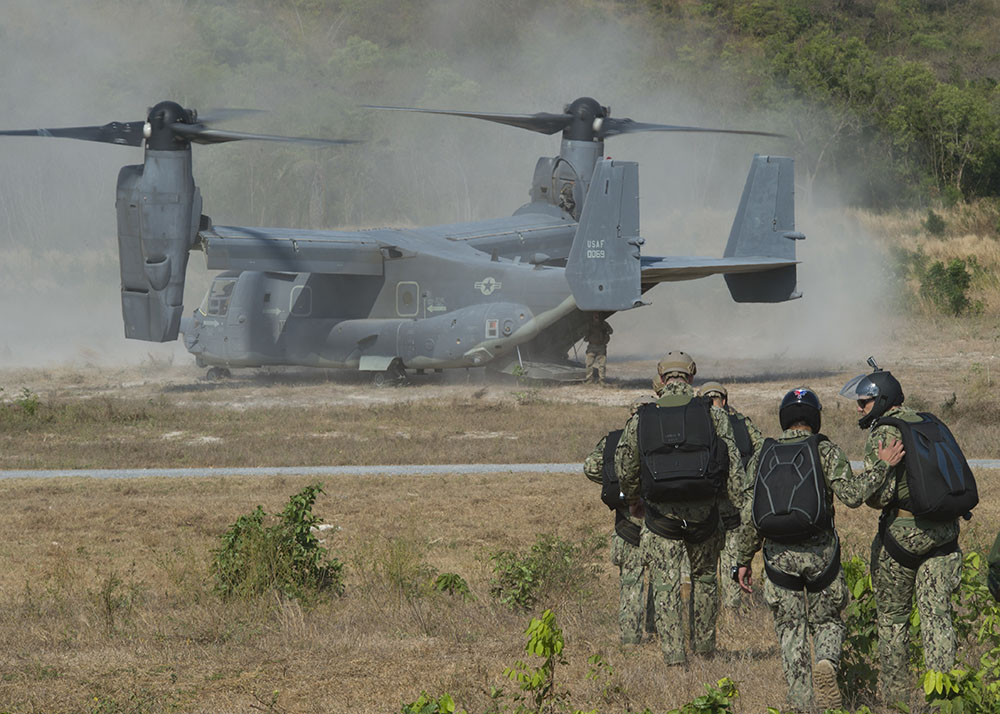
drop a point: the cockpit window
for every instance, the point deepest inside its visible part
(217, 300)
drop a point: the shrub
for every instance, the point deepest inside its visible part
(947, 286)
(261, 553)
(520, 578)
(857, 673)
(934, 224)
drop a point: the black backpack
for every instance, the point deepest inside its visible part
(610, 488)
(680, 455)
(941, 484)
(789, 493)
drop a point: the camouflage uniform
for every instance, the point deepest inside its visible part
(993, 577)
(598, 336)
(894, 584)
(631, 570)
(664, 556)
(797, 613)
(728, 558)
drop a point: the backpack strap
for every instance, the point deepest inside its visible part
(798, 583)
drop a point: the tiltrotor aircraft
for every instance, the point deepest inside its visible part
(510, 293)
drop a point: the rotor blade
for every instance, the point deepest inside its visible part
(128, 133)
(614, 127)
(221, 114)
(199, 134)
(541, 122)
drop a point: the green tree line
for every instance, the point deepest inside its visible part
(889, 101)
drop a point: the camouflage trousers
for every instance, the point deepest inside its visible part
(801, 614)
(665, 558)
(727, 559)
(633, 607)
(598, 362)
(895, 586)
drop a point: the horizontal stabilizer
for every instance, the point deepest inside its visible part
(672, 269)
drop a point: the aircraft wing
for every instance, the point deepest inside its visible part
(671, 269)
(290, 250)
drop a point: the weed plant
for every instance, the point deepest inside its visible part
(262, 554)
(552, 563)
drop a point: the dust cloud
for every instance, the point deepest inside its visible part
(59, 276)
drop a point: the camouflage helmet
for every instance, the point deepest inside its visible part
(710, 388)
(676, 363)
(636, 403)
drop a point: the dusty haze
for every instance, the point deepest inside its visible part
(59, 278)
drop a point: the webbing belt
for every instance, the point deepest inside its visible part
(798, 582)
(904, 557)
(626, 529)
(678, 529)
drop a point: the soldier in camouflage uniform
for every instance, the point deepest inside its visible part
(934, 560)
(749, 442)
(625, 554)
(598, 336)
(805, 587)
(676, 530)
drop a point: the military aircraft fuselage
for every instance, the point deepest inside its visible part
(459, 295)
(508, 292)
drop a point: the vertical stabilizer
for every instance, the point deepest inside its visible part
(603, 269)
(765, 227)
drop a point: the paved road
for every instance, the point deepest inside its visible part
(399, 470)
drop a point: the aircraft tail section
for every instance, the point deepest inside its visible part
(603, 268)
(765, 228)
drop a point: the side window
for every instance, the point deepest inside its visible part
(301, 301)
(219, 295)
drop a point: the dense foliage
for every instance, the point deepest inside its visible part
(891, 101)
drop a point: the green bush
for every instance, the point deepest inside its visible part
(935, 224)
(262, 553)
(947, 286)
(519, 579)
(857, 674)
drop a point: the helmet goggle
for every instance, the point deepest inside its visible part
(860, 388)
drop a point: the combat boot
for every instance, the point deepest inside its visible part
(825, 689)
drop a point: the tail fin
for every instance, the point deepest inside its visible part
(765, 227)
(603, 268)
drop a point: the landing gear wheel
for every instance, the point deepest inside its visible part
(395, 376)
(217, 373)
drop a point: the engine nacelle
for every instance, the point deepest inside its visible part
(159, 209)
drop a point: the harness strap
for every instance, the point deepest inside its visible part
(626, 529)
(901, 555)
(798, 583)
(679, 529)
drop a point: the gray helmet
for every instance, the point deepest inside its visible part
(881, 386)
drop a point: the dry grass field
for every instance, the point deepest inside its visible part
(107, 596)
